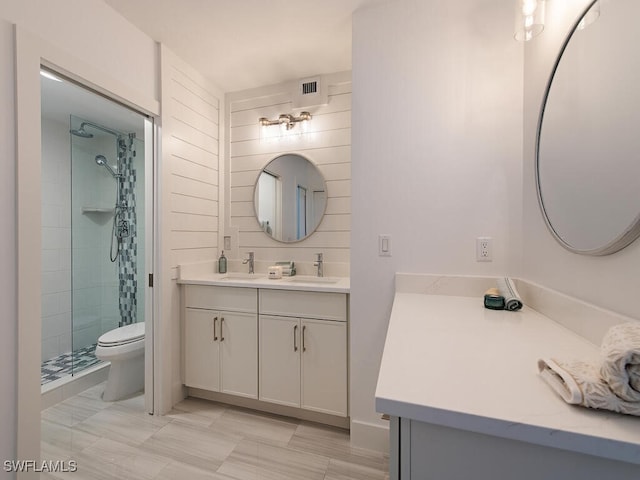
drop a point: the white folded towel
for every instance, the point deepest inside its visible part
(621, 360)
(613, 384)
(508, 290)
(580, 383)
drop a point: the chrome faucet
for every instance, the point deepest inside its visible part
(249, 261)
(318, 263)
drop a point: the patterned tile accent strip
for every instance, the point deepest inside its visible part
(68, 363)
(128, 259)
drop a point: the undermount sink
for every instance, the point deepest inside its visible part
(309, 279)
(242, 276)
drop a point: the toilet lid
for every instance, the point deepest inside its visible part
(122, 335)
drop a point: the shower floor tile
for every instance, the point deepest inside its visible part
(65, 364)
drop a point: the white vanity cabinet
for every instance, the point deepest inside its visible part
(303, 350)
(221, 339)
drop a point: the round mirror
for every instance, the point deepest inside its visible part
(290, 198)
(588, 145)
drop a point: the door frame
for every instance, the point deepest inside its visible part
(32, 52)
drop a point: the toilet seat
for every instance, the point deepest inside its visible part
(122, 335)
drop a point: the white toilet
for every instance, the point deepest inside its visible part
(124, 348)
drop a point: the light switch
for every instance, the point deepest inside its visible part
(384, 245)
(227, 242)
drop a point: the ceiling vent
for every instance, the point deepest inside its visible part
(309, 87)
(310, 92)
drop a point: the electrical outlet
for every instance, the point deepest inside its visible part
(484, 249)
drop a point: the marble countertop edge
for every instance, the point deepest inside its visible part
(341, 285)
(520, 431)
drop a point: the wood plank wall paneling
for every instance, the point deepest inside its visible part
(191, 119)
(328, 145)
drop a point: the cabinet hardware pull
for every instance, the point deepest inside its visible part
(295, 343)
(215, 320)
(222, 329)
(304, 329)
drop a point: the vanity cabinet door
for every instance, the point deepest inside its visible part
(324, 366)
(238, 341)
(201, 350)
(280, 360)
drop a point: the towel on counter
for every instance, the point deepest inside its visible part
(612, 384)
(507, 289)
(621, 360)
(580, 383)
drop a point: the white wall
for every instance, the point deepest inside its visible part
(327, 145)
(189, 189)
(94, 33)
(437, 147)
(610, 281)
(8, 307)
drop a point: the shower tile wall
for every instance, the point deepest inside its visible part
(56, 240)
(95, 300)
(140, 230)
(95, 277)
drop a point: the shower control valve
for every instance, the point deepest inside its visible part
(123, 229)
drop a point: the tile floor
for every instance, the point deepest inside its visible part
(198, 440)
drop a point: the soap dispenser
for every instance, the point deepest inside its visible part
(222, 263)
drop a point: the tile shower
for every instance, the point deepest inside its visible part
(92, 263)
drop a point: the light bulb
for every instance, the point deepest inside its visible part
(529, 7)
(529, 19)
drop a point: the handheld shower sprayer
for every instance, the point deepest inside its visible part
(102, 161)
(122, 229)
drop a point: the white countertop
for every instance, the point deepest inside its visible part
(297, 282)
(449, 361)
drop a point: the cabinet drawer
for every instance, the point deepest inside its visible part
(234, 299)
(329, 306)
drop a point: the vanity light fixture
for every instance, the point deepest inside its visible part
(286, 121)
(529, 19)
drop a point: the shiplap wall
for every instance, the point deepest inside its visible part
(327, 144)
(190, 123)
(189, 189)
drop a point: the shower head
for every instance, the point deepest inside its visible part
(81, 132)
(102, 161)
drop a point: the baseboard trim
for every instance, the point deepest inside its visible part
(333, 420)
(370, 436)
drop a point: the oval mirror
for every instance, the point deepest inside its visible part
(290, 198)
(588, 143)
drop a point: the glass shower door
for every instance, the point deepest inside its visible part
(107, 234)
